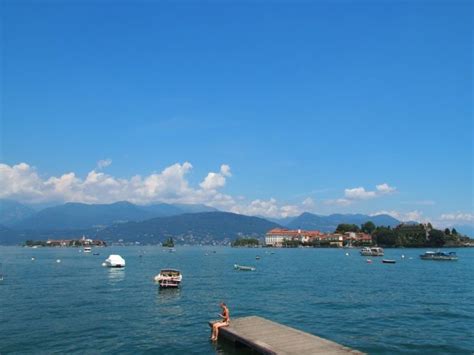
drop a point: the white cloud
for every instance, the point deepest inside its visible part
(416, 216)
(215, 181)
(267, 208)
(385, 189)
(458, 217)
(101, 164)
(22, 182)
(360, 193)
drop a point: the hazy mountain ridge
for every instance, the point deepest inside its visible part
(203, 227)
(12, 212)
(329, 223)
(73, 215)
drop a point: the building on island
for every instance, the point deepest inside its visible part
(279, 237)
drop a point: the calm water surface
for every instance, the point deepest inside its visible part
(77, 306)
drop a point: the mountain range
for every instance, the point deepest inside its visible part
(82, 216)
(151, 223)
(329, 223)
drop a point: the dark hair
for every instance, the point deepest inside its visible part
(223, 304)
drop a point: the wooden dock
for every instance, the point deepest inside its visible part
(267, 337)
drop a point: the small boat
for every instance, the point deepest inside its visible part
(169, 278)
(87, 249)
(257, 257)
(388, 261)
(114, 261)
(438, 255)
(96, 254)
(171, 250)
(371, 251)
(243, 268)
(1, 272)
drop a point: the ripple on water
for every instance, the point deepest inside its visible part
(78, 306)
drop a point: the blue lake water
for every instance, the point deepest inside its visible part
(413, 306)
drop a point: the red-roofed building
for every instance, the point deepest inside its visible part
(277, 236)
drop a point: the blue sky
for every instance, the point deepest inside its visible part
(300, 100)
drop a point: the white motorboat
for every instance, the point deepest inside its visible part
(169, 278)
(371, 251)
(87, 249)
(431, 255)
(114, 261)
(243, 268)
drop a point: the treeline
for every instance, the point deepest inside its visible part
(418, 235)
(245, 242)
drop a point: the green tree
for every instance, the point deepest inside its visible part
(436, 238)
(385, 236)
(368, 227)
(245, 242)
(454, 231)
(447, 231)
(344, 227)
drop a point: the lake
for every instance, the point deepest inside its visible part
(78, 306)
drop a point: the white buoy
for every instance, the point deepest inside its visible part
(104, 264)
(32, 259)
(58, 261)
(403, 256)
(347, 254)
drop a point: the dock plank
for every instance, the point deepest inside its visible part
(268, 337)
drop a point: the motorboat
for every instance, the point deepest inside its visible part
(438, 255)
(243, 268)
(169, 278)
(388, 261)
(114, 261)
(87, 249)
(371, 251)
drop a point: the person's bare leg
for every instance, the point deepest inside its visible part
(214, 330)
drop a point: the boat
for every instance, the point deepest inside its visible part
(114, 261)
(169, 278)
(257, 257)
(243, 268)
(1, 272)
(371, 251)
(438, 255)
(388, 261)
(87, 249)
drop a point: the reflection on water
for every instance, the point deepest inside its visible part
(168, 302)
(167, 295)
(116, 274)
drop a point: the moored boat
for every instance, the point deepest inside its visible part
(438, 255)
(371, 251)
(169, 278)
(114, 261)
(243, 268)
(388, 261)
(87, 249)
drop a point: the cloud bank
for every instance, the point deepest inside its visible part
(22, 182)
(352, 195)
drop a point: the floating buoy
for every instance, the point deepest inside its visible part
(58, 261)
(104, 264)
(347, 254)
(32, 259)
(403, 256)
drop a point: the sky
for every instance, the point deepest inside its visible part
(267, 108)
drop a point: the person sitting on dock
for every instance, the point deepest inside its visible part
(224, 323)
